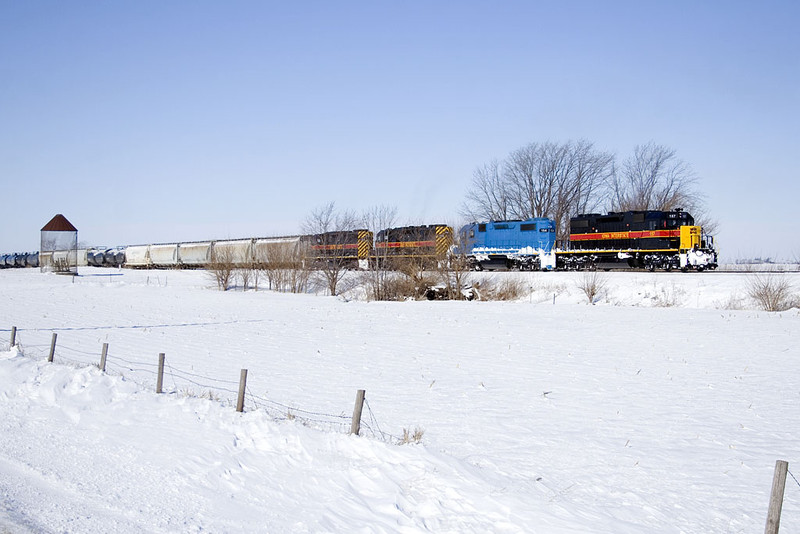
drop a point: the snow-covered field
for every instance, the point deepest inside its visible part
(659, 409)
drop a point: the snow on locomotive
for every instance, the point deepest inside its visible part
(495, 245)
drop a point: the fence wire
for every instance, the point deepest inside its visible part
(145, 374)
(793, 477)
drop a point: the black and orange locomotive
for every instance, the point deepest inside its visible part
(637, 239)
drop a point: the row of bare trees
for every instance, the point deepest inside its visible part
(283, 266)
(294, 266)
(298, 271)
(560, 180)
(383, 280)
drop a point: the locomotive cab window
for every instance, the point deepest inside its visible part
(482, 227)
(527, 227)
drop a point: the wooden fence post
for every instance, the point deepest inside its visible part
(13, 336)
(242, 386)
(103, 357)
(52, 348)
(776, 498)
(160, 381)
(355, 426)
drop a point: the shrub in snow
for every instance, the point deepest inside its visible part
(507, 288)
(669, 296)
(772, 292)
(592, 284)
(412, 437)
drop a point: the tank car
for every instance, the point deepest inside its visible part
(638, 239)
(110, 257)
(513, 244)
(95, 257)
(32, 259)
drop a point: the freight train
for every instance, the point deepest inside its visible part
(651, 240)
(626, 240)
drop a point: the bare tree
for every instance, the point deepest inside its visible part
(455, 273)
(487, 198)
(531, 180)
(654, 178)
(284, 265)
(328, 229)
(549, 179)
(222, 267)
(247, 274)
(379, 276)
(591, 171)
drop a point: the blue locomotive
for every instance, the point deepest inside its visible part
(525, 245)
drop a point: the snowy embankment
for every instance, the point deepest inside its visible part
(656, 410)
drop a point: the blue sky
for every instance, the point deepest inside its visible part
(158, 121)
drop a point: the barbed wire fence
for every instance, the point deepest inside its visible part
(191, 384)
(793, 477)
(220, 390)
